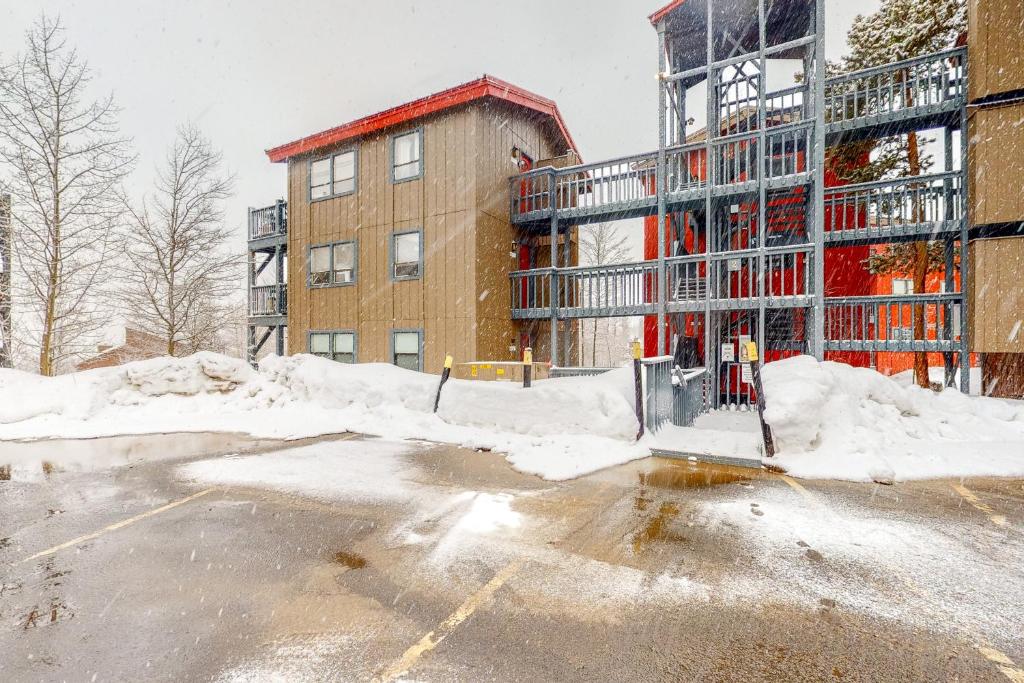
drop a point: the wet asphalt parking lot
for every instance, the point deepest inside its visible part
(215, 557)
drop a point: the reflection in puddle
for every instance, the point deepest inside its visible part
(656, 528)
(687, 476)
(28, 460)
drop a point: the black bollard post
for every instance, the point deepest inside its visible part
(639, 388)
(527, 367)
(445, 374)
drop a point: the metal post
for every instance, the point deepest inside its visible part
(638, 391)
(947, 311)
(250, 346)
(711, 347)
(553, 201)
(660, 185)
(817, 219)
(965, 341)
(567, 332)
(762, 193)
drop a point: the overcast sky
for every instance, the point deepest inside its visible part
(256, 73)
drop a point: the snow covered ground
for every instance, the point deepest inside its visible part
(834, 421)
(829, 420)
(558, 429)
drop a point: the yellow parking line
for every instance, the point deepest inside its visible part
(432, 639)
(799, 488)
(970, 497)
(118, 525)
(1005, 664)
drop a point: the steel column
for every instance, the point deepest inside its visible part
(817, 218)
(763, 161)
(711, 344)
(660, 185)
(553, 194)
(949, 370)
(965, 340)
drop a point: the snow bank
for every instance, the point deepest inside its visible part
(558, 429)
(832, 420)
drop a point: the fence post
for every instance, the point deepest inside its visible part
(639, 390)
(445, 374)
(527, 366)
(748, 354)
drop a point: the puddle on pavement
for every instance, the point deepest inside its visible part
(28, 460)
(656, 528)
(350, 560)
(693, 476)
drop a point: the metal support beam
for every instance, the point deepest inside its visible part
(816, 221)
(554, 268)
(949, 369)
(660, 186)
(711, 345)
(965, 340)
(762, 161)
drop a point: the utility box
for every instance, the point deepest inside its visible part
(500, 371)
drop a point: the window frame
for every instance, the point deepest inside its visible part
(391, 345)
(330, 264)
(330, 337)
(905, 282)
(391, 255)
(418, 131)
(329, 158)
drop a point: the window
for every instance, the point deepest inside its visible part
(406, 156)
(333, 176)
(338, 346)
(405, 347)
(902, 286)
(319, 266)
(332, 264)
(344, 263)
(406, 255)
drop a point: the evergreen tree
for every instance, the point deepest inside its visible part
(900, 29)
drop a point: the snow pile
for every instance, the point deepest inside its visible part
(832, 420)
(558, 429)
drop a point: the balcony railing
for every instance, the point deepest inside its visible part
(921, 205)
(264, 300)
(933, 84)
(901, 89)
(624, 289)
(911, 322)
(270, 221)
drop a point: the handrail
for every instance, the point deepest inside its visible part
(889, 182)
(895, 66)
(910, 299)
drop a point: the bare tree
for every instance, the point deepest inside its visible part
(181, 275)
(600, 244)
(66, 159)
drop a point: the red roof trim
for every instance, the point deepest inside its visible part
(486, 86)
(660, 14)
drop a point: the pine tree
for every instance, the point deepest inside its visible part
(900, 29)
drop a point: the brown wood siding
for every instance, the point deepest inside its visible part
(442, 203)
(995, 40)
(997, 298)
(502, 127)
(996, 164)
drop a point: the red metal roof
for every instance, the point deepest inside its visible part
(660, 14)
(485, 86)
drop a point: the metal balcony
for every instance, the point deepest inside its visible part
(268, 226)
(911, 322)
(268, 301)
(910, 95)
(913, 94)
(894, 210)
(626, 289)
